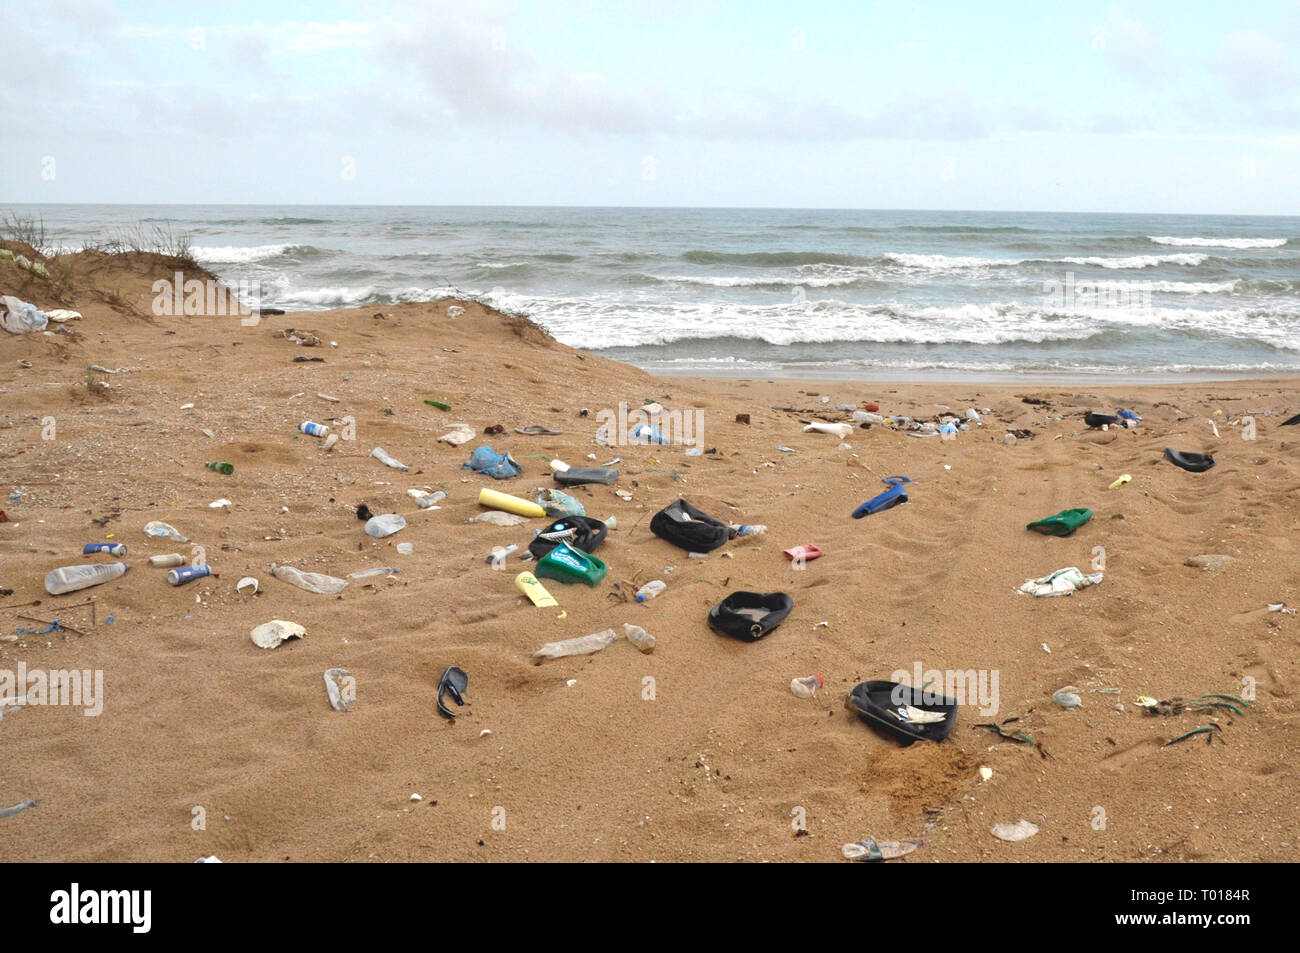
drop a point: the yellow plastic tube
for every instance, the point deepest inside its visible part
(511, 504)
(527, 583)
(1120, 482)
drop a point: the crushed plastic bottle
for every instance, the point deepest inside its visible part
(583, 645)
(311, 581)
(639, 637)
(161, 530)
(380, 454)
(807, 686)
(71, 578)
(425, 500)
(747, 529)
(385, 525)
(644, 433)
(650, 590)
(864, 417)
(371, 573)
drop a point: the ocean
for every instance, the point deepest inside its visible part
(896, 295)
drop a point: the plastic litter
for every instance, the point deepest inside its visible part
(511, 504)
(583, 645)
(499, 466)
(385, 525)
(807, 686)
(268, 635)
(311, 581)
(382, 456)
(639, 637)
(527, 583)
(171, 559)
(868, 850)
(1066, 697)
(337, 702)
(184, 574)
(71, 578)
(248, 582)
(1063, 582)
(558, 504)
(161, 530)
(835, 430)
(459, 433)
(1021, 830)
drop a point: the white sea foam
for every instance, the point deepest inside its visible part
(230, 254)
(1199, 242)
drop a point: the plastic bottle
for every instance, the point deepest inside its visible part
(644, 433)
(380, 454)
(497, 558)
(863, 417)
(312, 429)
(425, 500)
(583, 645)
(330, 441)
(639, 637)
(385, 525)
(71, 578)
(113, 549)
(650, 590)
(311, 581)
(371, 573)
(807, 686)
(747, 529)
(171, 559)
(221, 467)
(164, 531)
(179, 577)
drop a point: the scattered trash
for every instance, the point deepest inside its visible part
(313, 429)
(179, 577)
(1100, 420)
(803, 553)
(527, 583)
(222, 503)
(749, 616)
(71, 578)
(643, 640)
(162, 530)
(459, 433)
(868, 850)
(382, 456)
(576, 476)
(113, 549)
(580, 532)
(897, 493)
(439, 404)
(498, 518)
(1063, 582)
(454, 682)
(1191, 462)
(405, 549)
(807, 686)
(903, 713)
(536, 431)
(221, 467)
(20, 317)
(742, 418)
(426, 500)
(692, 529)
(511, 504)
(1125, 478)
(337, 701)
(372, 573)
(650, 590)
(497, 558)
(556, 503)
(385, 525)
(171, 559)
(1021, 830)
(499, 466)
(583, 645)
(268, 635)
(1213, 562)
(1066, 697)
(311, 581)
(1061, 524)
(835, 430)
(248, 582)
(11, 811)
(566, 564)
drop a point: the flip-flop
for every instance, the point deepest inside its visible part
(535, 431)
(1291, 421)
(1063, 523)
(749, 616)
(1098, 420)
(1191, 462)
(897, 493)
(884, 706)
(454, 681)
(804, 552)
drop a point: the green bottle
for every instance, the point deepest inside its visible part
(439, 404)
(226, 468)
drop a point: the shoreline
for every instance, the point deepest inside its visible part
(998, 378)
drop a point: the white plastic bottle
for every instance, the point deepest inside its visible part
(639, 637)
(380, 454)
(71, 578)
(583, 645)
(311, 581)
(806, 687)
(650, 590)
(385, 525)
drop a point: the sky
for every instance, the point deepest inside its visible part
(1178, 107)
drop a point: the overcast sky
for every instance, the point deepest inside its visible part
(1145, 106)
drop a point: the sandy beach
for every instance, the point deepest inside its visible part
(209, 745)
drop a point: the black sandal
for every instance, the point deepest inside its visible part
(453, 682)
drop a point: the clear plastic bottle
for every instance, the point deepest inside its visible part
(380, 454)
(161, 530)
(650, 590)
(807, 686)
(497, 558)
(171, 559)
(385, 525)
(583, 645)
(71, 578)
(425, 500)
(639, 637)
(311, 581)
(747, 529)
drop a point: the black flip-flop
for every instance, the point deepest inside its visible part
(580, 532)
(749, 616)
(1096, 420)
(1291, 421)
(878, 703)
(454, 681)
(693, 530)
(1191, 462)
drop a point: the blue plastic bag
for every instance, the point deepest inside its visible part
(499, 466)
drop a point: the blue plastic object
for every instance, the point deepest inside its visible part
(897, 493)
(499, 466)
